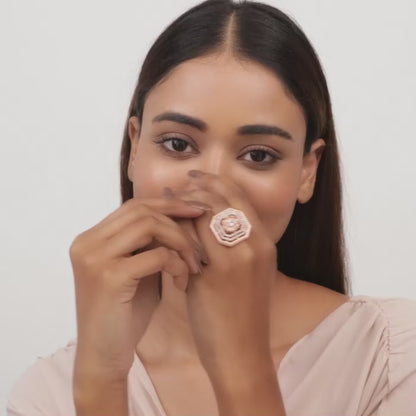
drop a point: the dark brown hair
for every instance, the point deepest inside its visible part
(312, 248)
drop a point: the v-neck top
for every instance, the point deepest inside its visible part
(360, 360)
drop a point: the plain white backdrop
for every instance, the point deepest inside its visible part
(67, 74)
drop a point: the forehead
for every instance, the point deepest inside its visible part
(226, 92)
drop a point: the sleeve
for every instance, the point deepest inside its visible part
(400, 398)
(45, 388)
(29, 394)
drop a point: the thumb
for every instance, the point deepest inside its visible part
(180, 281)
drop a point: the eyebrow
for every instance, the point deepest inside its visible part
(242, 130)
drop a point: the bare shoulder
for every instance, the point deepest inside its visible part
(298, 308)
(317, 301)
(303, 305)
(318, 293)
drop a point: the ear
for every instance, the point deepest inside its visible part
(309, 170)
(133, 131)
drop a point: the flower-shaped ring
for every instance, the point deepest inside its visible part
(230, 226)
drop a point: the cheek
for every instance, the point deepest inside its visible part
(149, 179)
(152, 174)
(274, 202)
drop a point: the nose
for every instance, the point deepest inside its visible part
(215, 161)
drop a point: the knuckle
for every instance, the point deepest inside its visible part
(141, 208)
(76, 247)
(137, 205)
(174, 254)
(170, 221)
(88, 261)
(80, 237)
(140, 213)
(73, 250)
(150, 220)
(134, 204)
(145, 224)
(163, 252)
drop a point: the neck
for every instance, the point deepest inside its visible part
(168, 338)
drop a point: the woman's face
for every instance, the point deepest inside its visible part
(226, 94)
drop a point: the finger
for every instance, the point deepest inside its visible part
(206, 196)
(212, 247)
(151, 262)
(133, 209)
(142, 211)
(142, 233)
(188, 226)
(187, 230)
(236, 198)
(228, 189)
(202, 224)
(181, 278)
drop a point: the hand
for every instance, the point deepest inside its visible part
(229, 302)
(115, 266)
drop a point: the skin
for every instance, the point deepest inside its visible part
(227, 93)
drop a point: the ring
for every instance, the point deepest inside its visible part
(230, 226)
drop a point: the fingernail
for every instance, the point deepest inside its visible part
(204, 256)
(196, 262)
(198, 204)
(195, 173)
(168, 193)
(202, 253)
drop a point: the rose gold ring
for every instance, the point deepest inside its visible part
(230, 226)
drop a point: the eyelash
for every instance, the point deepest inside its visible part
(164, 139)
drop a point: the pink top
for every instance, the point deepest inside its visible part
(358, 361)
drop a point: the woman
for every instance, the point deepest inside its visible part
(219, 285)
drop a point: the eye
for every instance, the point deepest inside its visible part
(258, 153)
(178, 144)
